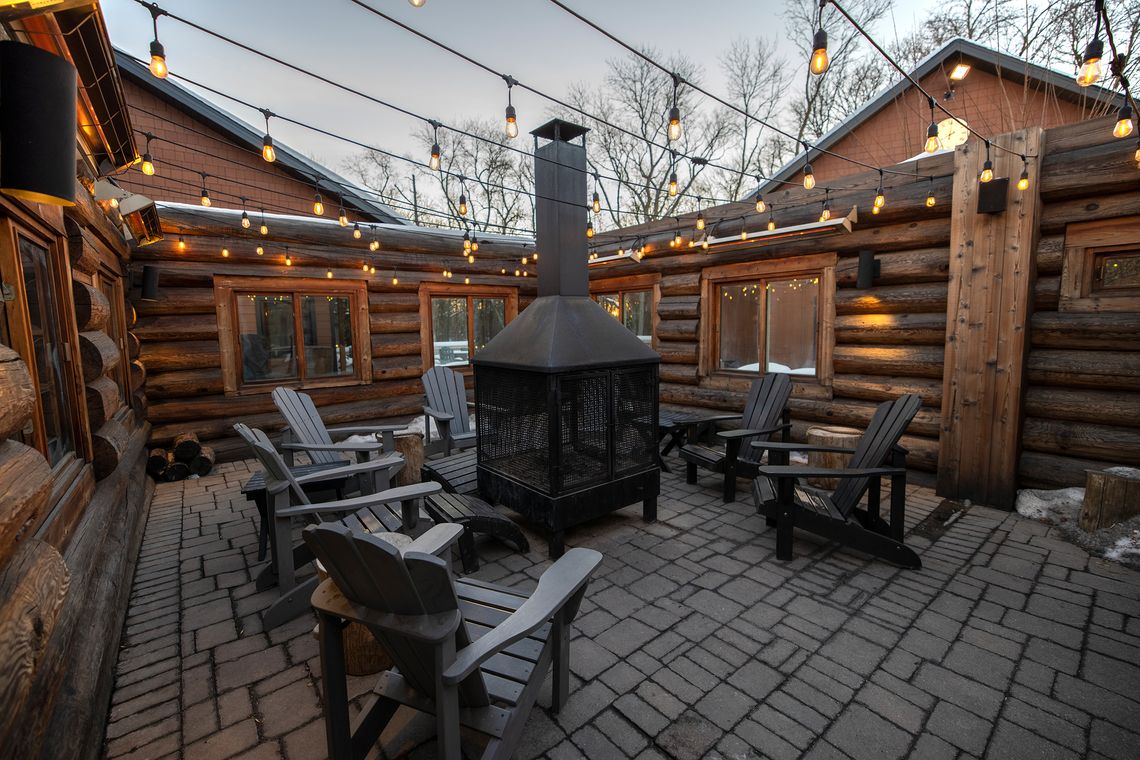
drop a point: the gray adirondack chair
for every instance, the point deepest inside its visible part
(765, 413)
(287, 499)
(837, 515)
(306, 431)
(447, 404)
(471, 653)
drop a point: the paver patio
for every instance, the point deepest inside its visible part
(693, 642)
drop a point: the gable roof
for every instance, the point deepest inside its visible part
(303, 168)
(982, 58)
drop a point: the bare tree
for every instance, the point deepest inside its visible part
(753, 72)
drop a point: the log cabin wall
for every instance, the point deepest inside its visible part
(182, 349)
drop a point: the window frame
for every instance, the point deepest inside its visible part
(821, 265)
(443, 290)
(227, 289)
(1084, 243)
(634, 283)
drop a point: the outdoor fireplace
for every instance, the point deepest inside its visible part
(566, 396)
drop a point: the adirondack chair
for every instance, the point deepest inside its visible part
(836, 515)
(287, 499)
(447, 404)
(471, 653)
(306, 431)
(765, 413)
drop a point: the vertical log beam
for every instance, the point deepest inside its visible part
(992, 268)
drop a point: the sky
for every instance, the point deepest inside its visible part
(533, 40)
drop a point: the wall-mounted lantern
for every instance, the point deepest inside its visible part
(869, 268)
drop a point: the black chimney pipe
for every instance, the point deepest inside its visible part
(560, 210)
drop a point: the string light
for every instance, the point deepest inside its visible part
(819, 60)
(880, 198)
(356, 233)
(474, 243)
(470, 258)
(318, 201)
(675, 130)
(987, 167)
(700, 216)
(826, 213)
(1123, 127)
(395, 278)
(1090, 71)
(743, 235)
(462, 204)
(596, 201)
(288, 259)
(930, 201)
(244, 216)
(264, 229)
(181, 243)
(365, 267)
(512, 125)
(267, 150)
(771, 221)
(371, 270)
(466, 241)
(260, 250)
(158, 65)
(434, 161)
(673, 185)
(761, 206)
(205, 193)
(342, 216)
(809, 175)
(329, 274)
(417, 3)
(589, 229)
(374, 244)
(225, 252)
(1023, 180)
(147, 166)
(933, 145)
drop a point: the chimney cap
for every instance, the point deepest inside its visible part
(557, 129)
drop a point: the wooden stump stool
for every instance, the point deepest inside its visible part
(363, 655)
(845, 437)
(411, 445)
(1111, 496)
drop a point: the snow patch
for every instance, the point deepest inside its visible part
(1062, 509)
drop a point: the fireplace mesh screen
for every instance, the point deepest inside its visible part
(584, 441)
(635, 424)
(514, 425)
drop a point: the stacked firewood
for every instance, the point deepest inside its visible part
(186, 456)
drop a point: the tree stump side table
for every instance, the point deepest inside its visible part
(827, 435)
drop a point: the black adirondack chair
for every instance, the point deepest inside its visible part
(836, 515)
(447, 404)
(765, 413)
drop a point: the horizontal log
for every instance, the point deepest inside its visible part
(681, 285)
(848, 413)
(1050, 255)
(1094, 170)
(679, 373)
(25, 488)
(178, 301)
(131, 314)
(891, 329)
(92, 310)
(675, 352)
(1036, 469)
(134, 345)
(396, 367)
(1117, 331)
(388, 303)
(394, 322)
(1046, 293)
(98, 353)
(899, 268)
(1085, 405)
(1057, 214)
(912, 361)
(679, 307)
(1084, 440)
(396, 344)
(138, 374)
(677, 329)
(871, 388)
(103, 400)
(109, 444)
(181, 327)
(1099, 370)
(181, 354)
(17, 393)
(185, 383)
(921, 298)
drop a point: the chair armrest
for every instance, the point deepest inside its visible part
(402, 493)
(792, 446)
(745, 432)
(437, 540)
(556, 587)
(470, 404)
(366, 429)
(712, 418)
(342, 446)
(430, 629)
(435, 414)
(794, 471)
(348, 470)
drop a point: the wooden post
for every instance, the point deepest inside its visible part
(992, 268)
(1111, 496)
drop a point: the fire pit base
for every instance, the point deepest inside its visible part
(554, 514)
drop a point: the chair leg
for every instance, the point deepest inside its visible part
(649, 509)
(338, 735)
(467, 554)
(446, 704)
(785, 523)
(731, 452)
(690, 473)
(560, 640)
(898, 507)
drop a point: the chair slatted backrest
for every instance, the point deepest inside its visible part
(445, 393)
(372, 573)
(278, 476)
(766, 401)
(305, 423)
(883, 433)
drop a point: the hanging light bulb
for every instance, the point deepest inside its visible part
(700, 217)
(675, 113)
(225, 252)
(677, 240)
(374, 245)
(933, 145)
(260, 250)
(743, 235)
(114, 202)
(771, 223)
(470, 258)
(880, 198)
(157, 53)
(244, 220)
(987, 167)
(534, 255)
(589, 229)
(705, 243)
(371, 270)
(206, 197)
(825, 215)
(264, 229)
(342, 216)
(318, 205)
(267, 150)
(466, 241)
(329, 274)
(462, 204)
(761, 206)
(809, 177)
(930, 201)
(512, 125)
(466, 280)
(434, 161)
(596, 203)
(1023, 180)
(819, 60)
(181, 243)
(288, 259)
(366, 266)
(474, 243)
(673, 185)
(417, 3)
(356, 233)
(395, 278)
(1090, 71)
(147, 165)
(1123, 126)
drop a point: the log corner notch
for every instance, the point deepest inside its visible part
(989, 305)
(17, 393)
(1111, 496)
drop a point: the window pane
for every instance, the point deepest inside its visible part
(637, 314)
(609, 302)
(449, 331)
(268, 349)
(490, 318)
(792, 323)
(46, 348)
(1117, 270)
(327, 324)
(740, 326)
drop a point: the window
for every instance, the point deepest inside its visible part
(631, 300)
(771, 316)
(457, 321)
(305, 333)
(1100, 270)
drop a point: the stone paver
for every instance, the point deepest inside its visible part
(693, 642)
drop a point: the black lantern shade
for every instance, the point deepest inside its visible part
(149, 283)
(37, 125)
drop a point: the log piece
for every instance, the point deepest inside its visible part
(677, 352)
(138, 374)
(175, 328)
(387, 303)
(134, 346)
(25, 488)
(1050, 254)
(110, 443)
(396, 344)
(899, 268)
(681, 285)
(98, 353)
(33, 588)
(411, 445)
(831, 436)
(1112, 331)
(17, 393)
(184, 354)
(186, 447)
(203, 462)
(179, 301)
(1037, 469)
(679, 307)
(892, 329)
(925, 297)
(175, 470)
(92, 310)
(185, 383)
(156, 463)
(1111, 496)
(911, 361)
(394, 322)
(871, 388)
(396, 367)
(1099, 370)
(1083, 405)
(677, 329)
(1046, 293)
(679, 373)
(103, 400)
(1109, 443)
